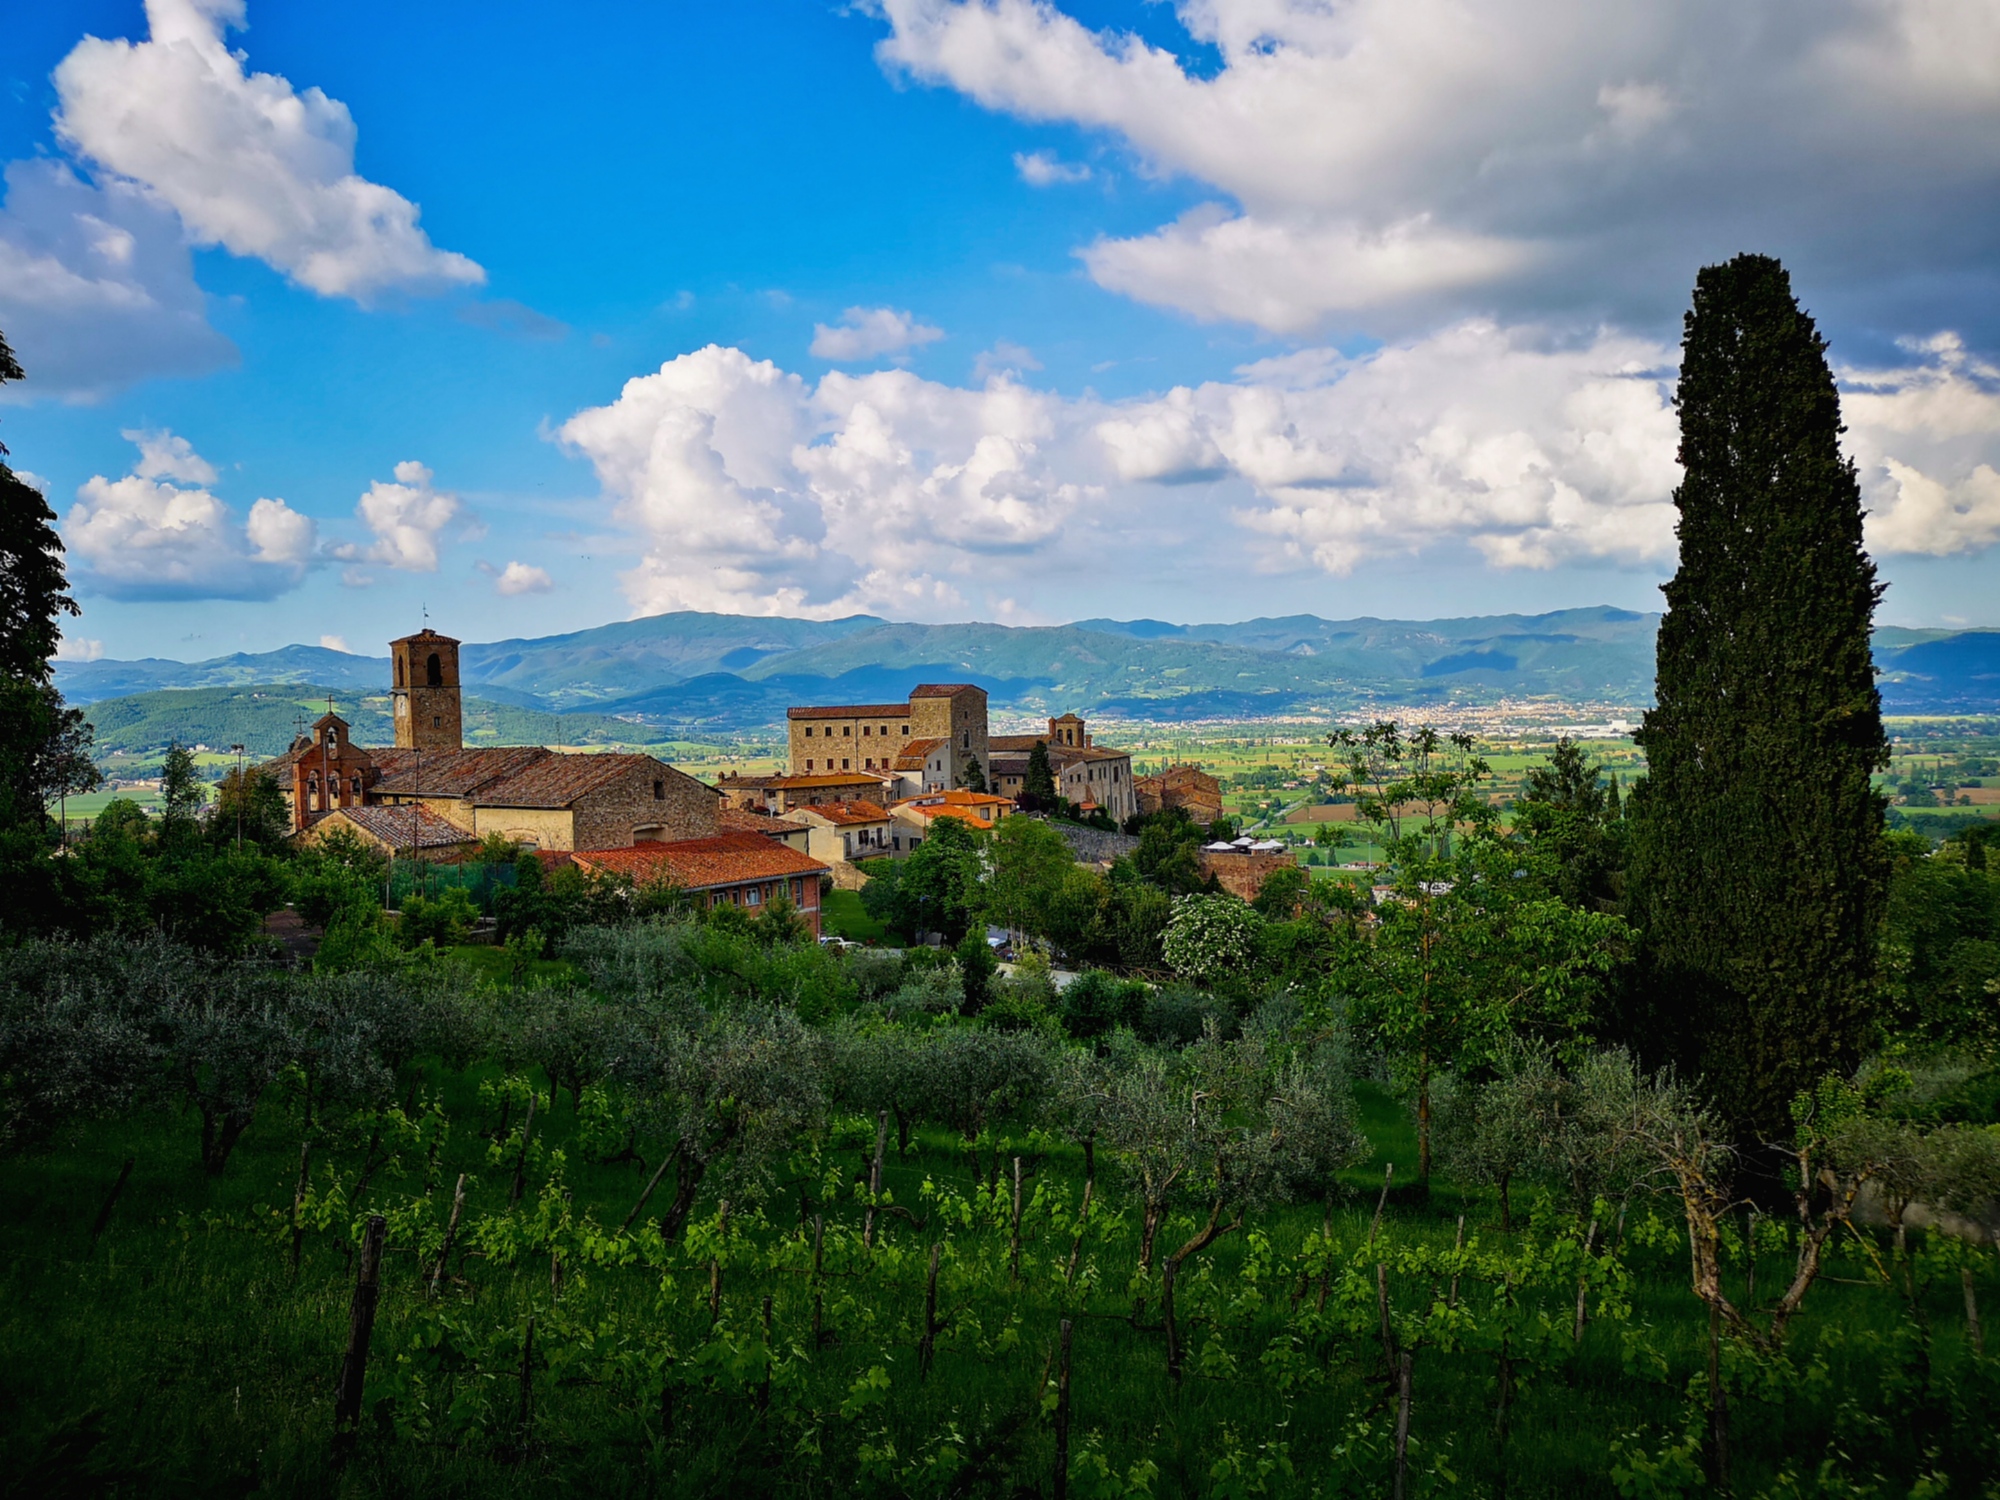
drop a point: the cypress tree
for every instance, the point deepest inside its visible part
(1759, 876)
(1038, 786)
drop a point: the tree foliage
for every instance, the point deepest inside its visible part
(1758, 873)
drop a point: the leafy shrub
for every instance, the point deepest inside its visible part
(1097, 1003)
(1177, 1015)
(438, 920)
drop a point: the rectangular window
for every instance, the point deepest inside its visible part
(864, 731)
(846, 729)
(843, 765)
(809, 764)
(809, 731)
(659, 791)
(750, 897)
(906, 729)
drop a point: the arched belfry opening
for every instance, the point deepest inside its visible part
(434, 672)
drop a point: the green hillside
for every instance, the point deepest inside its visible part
(264, 719)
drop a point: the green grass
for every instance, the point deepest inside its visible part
(841, 914)
(180, 1356)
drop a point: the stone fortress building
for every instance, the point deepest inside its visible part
(944, 722)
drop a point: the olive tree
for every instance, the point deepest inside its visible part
(729, 1093)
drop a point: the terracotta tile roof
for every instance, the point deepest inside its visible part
(832, 778)
(1019, 744)
(980, 809)
(703, 864)
(911, 756)
(426, 634)
(449, 773)
(729, 781)
(735, 820)
(945, 689)
(852, 711)
(560, 779)
(846, 814)
(392, 825)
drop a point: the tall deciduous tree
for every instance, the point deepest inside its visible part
(34, 592)
(1758, 873)
(35, 732)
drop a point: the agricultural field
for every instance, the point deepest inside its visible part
(889, 1316)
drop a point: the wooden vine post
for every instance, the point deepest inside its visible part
(875, 1177)
(1403, 1423)
(1014, 1242)
(1060, 1486)
(111, 1202)
(450, 1233)
(1583, 1283)
(927, 1345)
(360, 1326)
(299, 1203)
(521, 1161)
(715, 1263)
(1388, 1176)
(819, 1281)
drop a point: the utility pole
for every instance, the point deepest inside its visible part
(239, 797)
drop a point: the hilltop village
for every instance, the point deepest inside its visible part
(861, 781)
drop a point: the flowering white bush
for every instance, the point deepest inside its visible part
(1210, 936)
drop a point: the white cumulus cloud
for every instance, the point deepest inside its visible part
(407, 516)
(160, 533)
(1926, 441)
(97, 288)
(748, 489)
(1391, 164)
(523, 578)
(336, 643)
(247, 161)
(1045, 169)
(164, 455)
(869, 333)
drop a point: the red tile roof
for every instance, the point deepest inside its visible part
(846, 814)
(703, 864)
(832, 778)
(852, 711)
(912, 754)
(736, 820)
(393, 826)
(945, 689)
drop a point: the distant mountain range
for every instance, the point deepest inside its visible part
(697, 672)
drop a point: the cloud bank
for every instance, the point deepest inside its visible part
(1391, 163)
(748, 489)
(246, 161)
(160, 533)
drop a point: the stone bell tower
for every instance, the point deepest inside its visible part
(425, 668)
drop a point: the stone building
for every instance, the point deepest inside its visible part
(528, 794)
(1187, 787)
(1240, 868)
(872, 736)
(1085, 773)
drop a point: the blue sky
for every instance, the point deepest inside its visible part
(942, 311)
